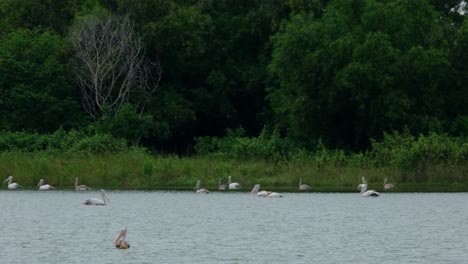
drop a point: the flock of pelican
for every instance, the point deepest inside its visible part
(302, 187)
(78, 187)
(256, 189)
(42, 186)
(221, 187)
(119, 242)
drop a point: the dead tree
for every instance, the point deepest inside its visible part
(111, 67)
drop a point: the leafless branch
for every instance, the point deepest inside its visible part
(111, 66)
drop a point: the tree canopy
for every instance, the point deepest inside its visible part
(338, 72)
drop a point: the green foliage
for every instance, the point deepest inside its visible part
(363, 68)
(56, 15)
(328, 74)
(99, 143)
(408, 152)
(36, 92)
(268, 146)
(61, 141)
(127, 124)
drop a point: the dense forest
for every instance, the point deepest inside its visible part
(171, 75)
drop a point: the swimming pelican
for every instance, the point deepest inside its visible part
(96, 201)
(386, 185)
(266, 194)
(233, 185)
(221, 187)
(11, 185)
(363, 184)
(198, 190)
(364, 192)
(80, 187)
(43, 186)
(303, 187)
(120, 242)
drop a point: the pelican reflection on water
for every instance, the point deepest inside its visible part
(97, 201)
(11, 185)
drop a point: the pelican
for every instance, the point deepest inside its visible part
(11, 185)
(80, 187)
(364, 192)
(120, 242)
(221, 187)
(96, 201)
(233, 185)
(303, 187)
(363, 184)
(198, 190)
(386, 185)
(43, 186)
(266, 194)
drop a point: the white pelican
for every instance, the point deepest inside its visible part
(364, 192)
(96, 201)
(43, 186)
(233, 185)
(80, 187)
(363, 184)
(386, 185)
(120, 242)
(11, 185)
(198, 190)
(303, 187)
(266, 194)
(221, 187)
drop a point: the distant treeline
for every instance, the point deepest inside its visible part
(256, 79)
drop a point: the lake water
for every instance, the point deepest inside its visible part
(235, 227)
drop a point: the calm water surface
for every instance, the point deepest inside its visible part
(183, 227)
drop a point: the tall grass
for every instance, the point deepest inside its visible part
(412, 163)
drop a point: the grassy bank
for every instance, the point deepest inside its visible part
(139, 170)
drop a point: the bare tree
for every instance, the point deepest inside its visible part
(111, 67)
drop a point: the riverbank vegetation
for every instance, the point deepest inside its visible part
(157, 94)
(425, 163)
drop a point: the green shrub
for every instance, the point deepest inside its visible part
(99, 143)
(267, 146)
(60, 141)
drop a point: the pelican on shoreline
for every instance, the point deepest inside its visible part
(265, 194)
(364, 192)
(233, 185)
(96, 201)
(80, 187)
(303, 187)
(43, 186)
(120, 242)
(197, 188)
(221, 187)
(11, 185)
(386, 185)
